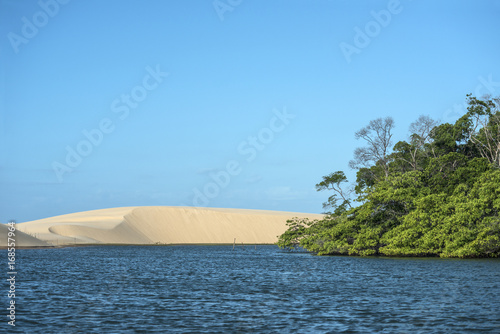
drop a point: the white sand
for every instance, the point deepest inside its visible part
(165, 225)
(20, 239)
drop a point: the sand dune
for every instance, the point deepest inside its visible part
(21, 239)
(165, 225)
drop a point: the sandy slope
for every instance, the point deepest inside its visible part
(21, 239)
(166, 225)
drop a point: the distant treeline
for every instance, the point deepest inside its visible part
(436, 194)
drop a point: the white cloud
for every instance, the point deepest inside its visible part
(255, 178)
(281, 193)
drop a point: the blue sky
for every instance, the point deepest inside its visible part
(238, 104)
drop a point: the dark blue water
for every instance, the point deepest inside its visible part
(185, 289)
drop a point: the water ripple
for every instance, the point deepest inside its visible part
(212, 289)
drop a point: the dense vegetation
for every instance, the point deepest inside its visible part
(437, 194)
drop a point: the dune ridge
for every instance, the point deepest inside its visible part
(161, 225)
(21, 239)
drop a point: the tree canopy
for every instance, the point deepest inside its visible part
(435, 194)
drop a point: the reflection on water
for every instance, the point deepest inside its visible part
(181, 289)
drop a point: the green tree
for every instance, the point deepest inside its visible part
(437, 194)
(334, 182)
(480, 126)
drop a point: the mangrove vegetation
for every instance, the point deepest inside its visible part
(435, 194)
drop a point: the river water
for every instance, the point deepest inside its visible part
(213, 289)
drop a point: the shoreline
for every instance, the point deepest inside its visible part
(250, 246)
(139, 245)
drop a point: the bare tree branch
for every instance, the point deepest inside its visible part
(378, 138)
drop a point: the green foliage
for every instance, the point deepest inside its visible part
(334, 182)
(434, 197)
(297, 229)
